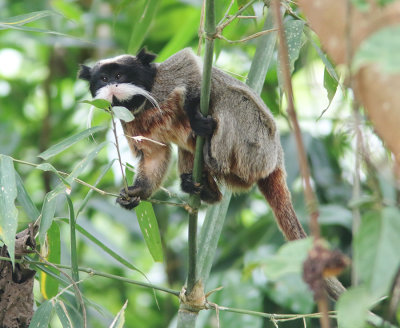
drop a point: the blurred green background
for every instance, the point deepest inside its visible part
(40, 105)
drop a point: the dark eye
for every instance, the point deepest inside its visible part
(104, 79)
(118, 76)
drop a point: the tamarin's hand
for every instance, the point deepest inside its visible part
(203, 126)
(131, 197)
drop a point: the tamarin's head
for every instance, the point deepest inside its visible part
(123, 80)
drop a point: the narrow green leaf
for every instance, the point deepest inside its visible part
(37, 30)
(353, 308)
(78, 169)
(380, 48)
(376, 245)
(119, 320)
(63, 314)
(48, 210)
(149, 226)
(68, 142)
(42, 316)
(25, 200)
(51, 168)
(141, 28)
(129, 173)
(102, 174)
(123, 113)
(330, 85)
(328, 65)
(26, 18)
(74, 253)
(8, 211)
(52, 253)
(98, 103)
(109, 251)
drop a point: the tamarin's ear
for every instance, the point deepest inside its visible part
(145, 57)
(85, 72)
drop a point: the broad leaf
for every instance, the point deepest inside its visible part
(98, 103)
(68, 142)
(376, 250)
(123, 113)
(149, 226)
(352, 307)
(42, 316)
(8, 211)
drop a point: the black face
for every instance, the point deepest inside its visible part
(125, 69)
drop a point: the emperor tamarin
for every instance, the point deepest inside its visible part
(243, 145)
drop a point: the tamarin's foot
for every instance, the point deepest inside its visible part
(128, 199)
(203, 190)
(203, 126)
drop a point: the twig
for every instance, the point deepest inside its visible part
(310, 197)
(102, 192)
(250, 37)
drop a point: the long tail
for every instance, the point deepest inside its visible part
(276, 192)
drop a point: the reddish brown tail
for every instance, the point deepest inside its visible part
(275, 191)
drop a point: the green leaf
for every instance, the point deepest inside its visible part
(330, 85)
(78, 169)
(42, 316)
(98, 103)
(141, 27)
(48, 210)
(294, 33)
(51, 168)
(289, 259)
(74, 253)
(71, 10)
(102, 174)
(376, 245)
(63, 314)
(52, 253)
(328, 65)
(123, 113)
(8, 211)
(66, 143)
(26, 18)
(25, 200)
(119, 320)
(380, 48)
(149, 226)
(352, 307)
(109, 251)
(129, 173)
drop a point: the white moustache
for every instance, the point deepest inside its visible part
(124, 92)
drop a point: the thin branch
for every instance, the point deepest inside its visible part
(250, 37)
(118, 152)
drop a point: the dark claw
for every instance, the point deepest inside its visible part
(188, 185)
(126, 201)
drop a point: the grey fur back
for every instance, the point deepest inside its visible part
(246, 142)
